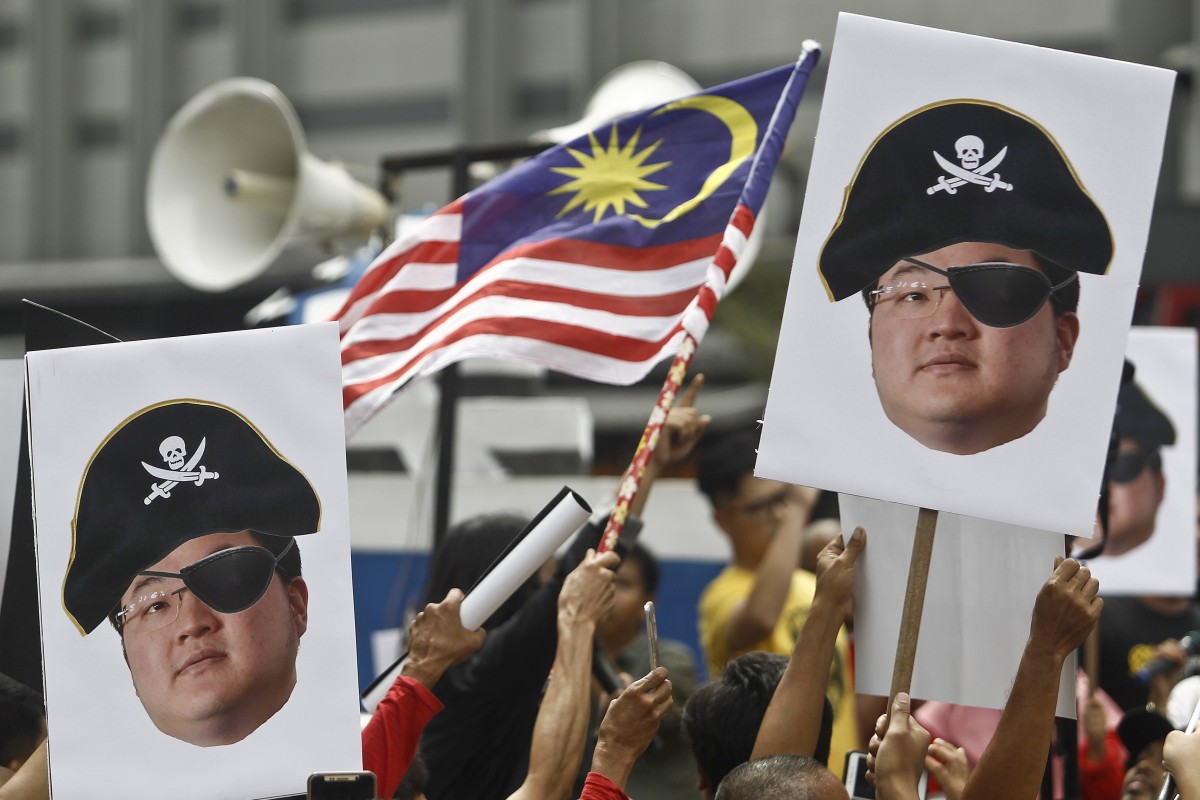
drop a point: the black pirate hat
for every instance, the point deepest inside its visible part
(962, 171)
(170, 473)
(1138, 418)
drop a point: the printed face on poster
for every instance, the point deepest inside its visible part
(1151, 547)
(978, 211)
(193, 556)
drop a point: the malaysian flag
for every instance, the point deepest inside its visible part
(594, 258)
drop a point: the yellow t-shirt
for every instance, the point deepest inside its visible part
(716, 605)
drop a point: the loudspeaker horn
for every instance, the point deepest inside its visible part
(231, 184)
(633, 87)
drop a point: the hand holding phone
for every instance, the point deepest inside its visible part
(652, 634)
(856, 778)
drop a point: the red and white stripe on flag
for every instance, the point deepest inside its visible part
(603, 312)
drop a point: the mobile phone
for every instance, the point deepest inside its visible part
(652, 634)
(856, 778)
(341, 786)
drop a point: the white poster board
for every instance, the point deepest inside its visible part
(286, 384)
(983, 580)
(824, 423)
(1165, 361)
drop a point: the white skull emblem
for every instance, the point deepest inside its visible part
(970, 151)
(173, 450)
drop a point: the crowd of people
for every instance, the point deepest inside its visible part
(776, 638)
(780, 710)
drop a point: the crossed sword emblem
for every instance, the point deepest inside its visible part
(172, 478)
(963, 175)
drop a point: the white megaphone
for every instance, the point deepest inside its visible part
(636, 86)
(232, 184)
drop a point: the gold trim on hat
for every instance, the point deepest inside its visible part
(960, 101)
(117, 429)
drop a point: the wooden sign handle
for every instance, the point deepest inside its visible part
(914, 602)
(1091, 660)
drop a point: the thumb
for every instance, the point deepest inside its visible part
(858, 540)
(900, 709)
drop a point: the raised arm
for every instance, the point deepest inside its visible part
(628, 727)
(436, 641)
(755, 617)
(1065, 612)
(561, 728)
(792, 723)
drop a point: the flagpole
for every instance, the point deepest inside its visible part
(724, 260)
(645, 449)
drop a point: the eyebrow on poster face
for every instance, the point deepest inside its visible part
(905, 270)
(144, 581)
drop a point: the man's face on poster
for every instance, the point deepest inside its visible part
(206, 677)
(953, 383)
(1133, 497)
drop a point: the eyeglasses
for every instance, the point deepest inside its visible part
(765, 506)
(998, 294)
(1129, 464)
(227, 581)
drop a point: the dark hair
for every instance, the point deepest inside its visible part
(723, 716)
(415, 780)
(22, 720)
(289, 567)
(466, 552)
(724, 463)
(647, 564)
(778, 777)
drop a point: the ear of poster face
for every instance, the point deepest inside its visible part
(983, 580)
(1165, 564)
(272, 404)
(1049, 124)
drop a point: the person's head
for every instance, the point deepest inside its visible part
(781, 777)
(196, 566)
(1136, 483)
(466, 552)
(971, 279)
(1143, 733)
(636, 583)
(22, 722)
(722, 717)
(747, 509)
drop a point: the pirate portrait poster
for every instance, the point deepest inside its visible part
(192, 528)
(965, 269)
(1151, 542)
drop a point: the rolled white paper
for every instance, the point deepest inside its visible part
(565, 514)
